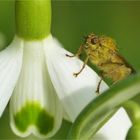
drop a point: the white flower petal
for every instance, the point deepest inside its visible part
(10, 66)
(75, 93)
(116, 128)
(34, 107)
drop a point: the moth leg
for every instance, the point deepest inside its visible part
(78, 52)
(98, 87)
(85, 62)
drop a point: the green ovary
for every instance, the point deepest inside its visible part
(33, 114)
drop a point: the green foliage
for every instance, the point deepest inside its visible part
(71, 20)
(97, 112)
(134, 132)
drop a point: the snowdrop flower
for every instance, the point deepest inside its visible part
(36, 76)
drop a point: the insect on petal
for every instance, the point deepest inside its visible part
(10, 66)
(74, 92)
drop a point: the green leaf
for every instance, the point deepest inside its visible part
(101, 108)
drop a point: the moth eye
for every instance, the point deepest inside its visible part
(94, 41)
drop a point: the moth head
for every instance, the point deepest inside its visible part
(91, 41)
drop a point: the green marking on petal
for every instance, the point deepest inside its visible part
(33, 114)
(43, 123)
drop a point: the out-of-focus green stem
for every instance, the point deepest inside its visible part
(133, 110)
(93, 115)
(134, 132)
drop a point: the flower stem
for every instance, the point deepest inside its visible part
(33, 18)
(133, 110)
(91, 118)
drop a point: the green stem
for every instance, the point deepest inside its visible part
(93, 115)
(33, 19)
(131, 107)
(133, 110)
(134, 132)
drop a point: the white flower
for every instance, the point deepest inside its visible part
(37, 78)
(116, 128)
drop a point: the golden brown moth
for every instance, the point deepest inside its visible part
(102, 52)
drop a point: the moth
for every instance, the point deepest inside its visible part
(102, 52)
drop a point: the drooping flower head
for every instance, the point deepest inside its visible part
(36, 76)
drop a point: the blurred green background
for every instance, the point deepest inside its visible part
(71, 20)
